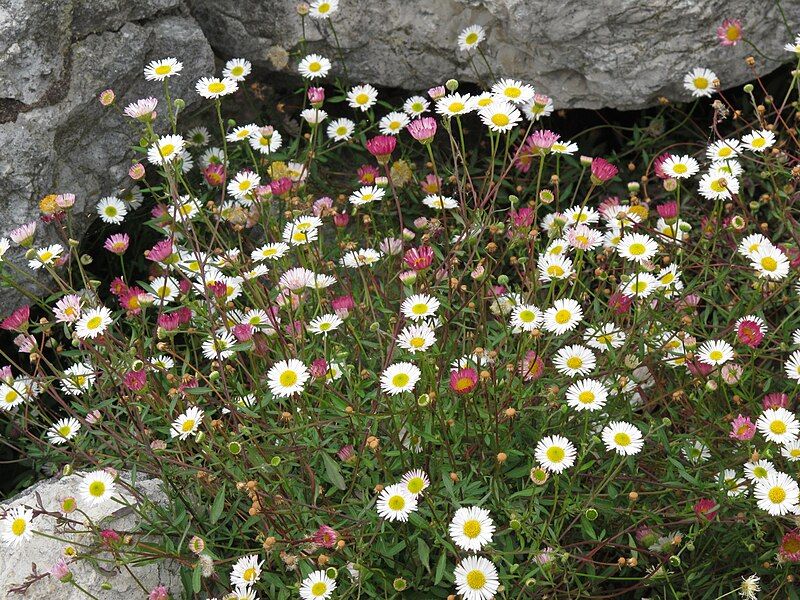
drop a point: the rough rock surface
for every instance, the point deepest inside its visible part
(56, 57)
(16, 563)
(608, 53)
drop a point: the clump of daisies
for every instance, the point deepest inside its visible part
(426, 345)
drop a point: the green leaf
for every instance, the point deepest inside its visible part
(424, 553)
(219, 504)
(197, 576)
(333, 473)
(440, 569)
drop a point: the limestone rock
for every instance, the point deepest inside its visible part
(622, 54)
(55, 137)
(16, 563)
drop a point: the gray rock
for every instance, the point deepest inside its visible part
(607, 53)
(61, 139)
(16, 563)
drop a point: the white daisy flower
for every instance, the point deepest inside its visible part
(554, 267)
(555, 453)
(680, 167)
(325, 324)
(758, 141)
(393, 123)
(526, 317)
(715, 352)
(587, 394)
(778, 425)
(770, 263)
(111, 210)
(246, 571)
(563, 316)
(287, 377)
(166, 149)
(470, 37)
(416, 106)
(362, 97)
(314, 66)
(700, 82)
(758, 470)
(15, 527)
(243, 184)
(93, 322)
(476, 578)
(45, 256)
(317, 585)
(187, 424)
(341, 129)
(454, 104)
(439, 202)
(237, 69)
(416, 338)
(97, 487)
(512, 90)
(159, 70)
(471, 528)
(395, 503)
(574, 360)
(322, 9)
(637, 247)
(419, 306)
(367, 194)
(777, 494)
(623, 438)
(266, 140)
(723, 149)
(400, 377)
(218, 346)
(213, 87)
(792, 366)
(500, 116)
(415, 482)
(63, 430)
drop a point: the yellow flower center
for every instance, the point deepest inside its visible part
(471, 38)
(527, 316)
(19, 526)
(415, 485)
(500, 119)
(680, 168)
(759, 472)
(574, 362)
(216, 87)
(97, 489)
(637, 249)
(758, 142)
(362, 98)
(400, 380)
(319, 588)
(45, 256)
(776, 495)
(472, 529)
(167, 149)
(288, 378)
(769, 263)
(563, 316)
(476, 579)
(715, 355)
(725, 151)
(420, 308)
(163, 69)
(94, 322)
(315, 66)
(250, 574)
(188, 425)
(555, 271)
(237, 70)
(555, 454)
(586, 397)
(622, 439)
(244, 185)
(718, 185)
(64, 430)
(513, 92)
(456, 107)
(323, 8)
(417, 342)
(778, 427)
(396, 503)
(700, 83)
